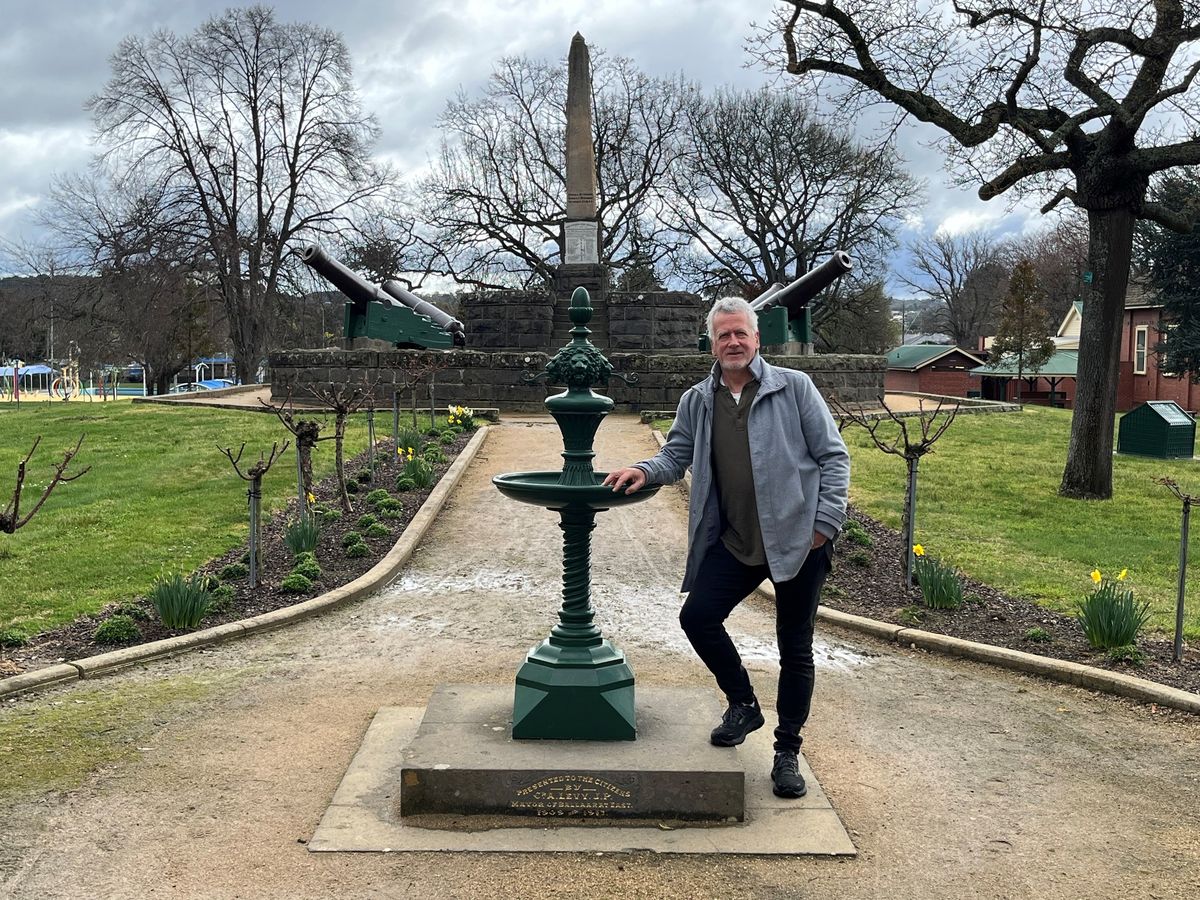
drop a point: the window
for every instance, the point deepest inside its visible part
(1141, 336)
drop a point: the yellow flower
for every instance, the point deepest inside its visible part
(1121, 577)
(311, 498)
(1096, 576)
(918, 550)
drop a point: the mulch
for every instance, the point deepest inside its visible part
(75, 641)
(866, 581)
(869, 581)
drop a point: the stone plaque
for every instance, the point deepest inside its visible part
(580, 240)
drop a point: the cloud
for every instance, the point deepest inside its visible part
(409, 57)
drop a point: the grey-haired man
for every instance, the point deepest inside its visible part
(770, 475)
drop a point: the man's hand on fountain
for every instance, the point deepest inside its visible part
(632, 476)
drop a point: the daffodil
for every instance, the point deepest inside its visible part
(918, 550)
(311, 498)
(1096, 576)
(1121, 577)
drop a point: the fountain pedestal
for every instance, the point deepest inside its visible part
(575, 685)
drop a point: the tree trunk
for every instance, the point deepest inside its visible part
(339, 434)
(1088, 473)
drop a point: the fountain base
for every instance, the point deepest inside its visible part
(574, 693)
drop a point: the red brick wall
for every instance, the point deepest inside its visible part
(900, 380)
(1153, 385)
(947, 382)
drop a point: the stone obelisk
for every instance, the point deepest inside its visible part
(581, 227)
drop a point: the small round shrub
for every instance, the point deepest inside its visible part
(295, 583)
(327, 515)
(366, 521)
(447, 438)
(404, 484)
(309, 568)
(378, 530)
(234, 571)
(860, 558)
(220, 599)
(856, 534)
(363, 476)
(377, 495)
(135, 610)
(433, 432)
(389, 504)
(392, 514)
(433, 455)
(117, 629)
(11, 637)
(350, 538)
(355, 551)
(1038, 635)
(351, 486)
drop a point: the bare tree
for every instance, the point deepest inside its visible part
(148, 298)
(255, 131)
(764, 191)
(1071, 99)
(343, 400)
(964, 274)
(909, 446)
(10, 517)
(497, 193)
(1058, 255)
(254, 475)
(858, 320)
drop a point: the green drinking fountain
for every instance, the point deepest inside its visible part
(575, 685)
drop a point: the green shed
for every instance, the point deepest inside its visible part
(1157, 428)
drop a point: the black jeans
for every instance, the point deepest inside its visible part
(721, 584)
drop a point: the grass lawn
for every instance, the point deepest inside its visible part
(987, 503)
(159, 497)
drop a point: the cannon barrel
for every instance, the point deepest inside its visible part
(425, 308)
(392, 293)
(800, 292)
(357, 289)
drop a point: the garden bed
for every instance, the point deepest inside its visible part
(76, 640)
(868, 581)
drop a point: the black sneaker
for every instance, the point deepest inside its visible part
(785, 775)
(739, 720)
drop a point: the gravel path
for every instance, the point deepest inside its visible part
(955, 780)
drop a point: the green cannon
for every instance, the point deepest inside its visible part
(386, 313)
(785, 313)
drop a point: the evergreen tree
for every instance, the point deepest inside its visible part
(1172, 261)
(1024, 330)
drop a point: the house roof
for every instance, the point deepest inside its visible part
(1061, 365)
(917, 356)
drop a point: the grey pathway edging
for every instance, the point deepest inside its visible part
(379, 575)
(1030, 663)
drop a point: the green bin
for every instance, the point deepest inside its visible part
(1159, 428)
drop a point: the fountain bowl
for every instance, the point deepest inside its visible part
(544, 489)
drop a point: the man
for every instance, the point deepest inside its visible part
(770, 475)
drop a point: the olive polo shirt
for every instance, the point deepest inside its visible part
(733, 476)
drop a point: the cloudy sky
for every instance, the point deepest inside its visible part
(409, 57)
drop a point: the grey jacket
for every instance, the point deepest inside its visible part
(800, 464)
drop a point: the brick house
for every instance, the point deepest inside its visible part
(931, 369)
(1139, 376)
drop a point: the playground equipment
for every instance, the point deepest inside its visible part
(68, 384)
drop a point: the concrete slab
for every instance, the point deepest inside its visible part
(362, 816)
(464, 761)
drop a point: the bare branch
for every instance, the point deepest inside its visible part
(10, 518)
